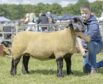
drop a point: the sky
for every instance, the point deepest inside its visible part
(61, 2)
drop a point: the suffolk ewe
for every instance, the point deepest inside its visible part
(42, 45)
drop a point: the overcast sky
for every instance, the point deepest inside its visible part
(61, 2)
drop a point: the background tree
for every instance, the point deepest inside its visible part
(97, 7)
(18, 11)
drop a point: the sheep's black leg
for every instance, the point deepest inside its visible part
(59, 67)
(14, 66)
(25, 64)
(68, 63)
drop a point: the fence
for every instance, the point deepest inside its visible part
(9, 30)
(6, 33)
(38, 27)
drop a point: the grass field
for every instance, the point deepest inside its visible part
(44, 72)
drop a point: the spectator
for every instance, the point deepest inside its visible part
(32, 22)
(26, 19)
(50, 17)
(43, 19)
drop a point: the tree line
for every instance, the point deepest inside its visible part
(13, 11)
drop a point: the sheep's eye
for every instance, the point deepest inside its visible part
(75, 20)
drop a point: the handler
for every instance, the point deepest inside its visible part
(91, 43)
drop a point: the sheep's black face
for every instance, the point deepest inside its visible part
(77, 24)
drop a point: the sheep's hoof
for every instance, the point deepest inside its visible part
(69, 73)
(60, 75)
(13, 73)
(25, 72)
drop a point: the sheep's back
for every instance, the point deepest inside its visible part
(40, 44)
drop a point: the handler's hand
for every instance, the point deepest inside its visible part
(83, 36)
(83, 51)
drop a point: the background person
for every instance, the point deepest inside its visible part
(43, 19)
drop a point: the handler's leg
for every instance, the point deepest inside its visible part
(98, 49)
(93, 49)
(86, 64)
(89, 60)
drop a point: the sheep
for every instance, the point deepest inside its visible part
(46, 45)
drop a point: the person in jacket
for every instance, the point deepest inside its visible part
(43, 19)
(91, 44)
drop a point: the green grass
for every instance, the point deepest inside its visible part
(44, 72)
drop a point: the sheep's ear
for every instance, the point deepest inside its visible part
(70, 24)
(76, 19)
